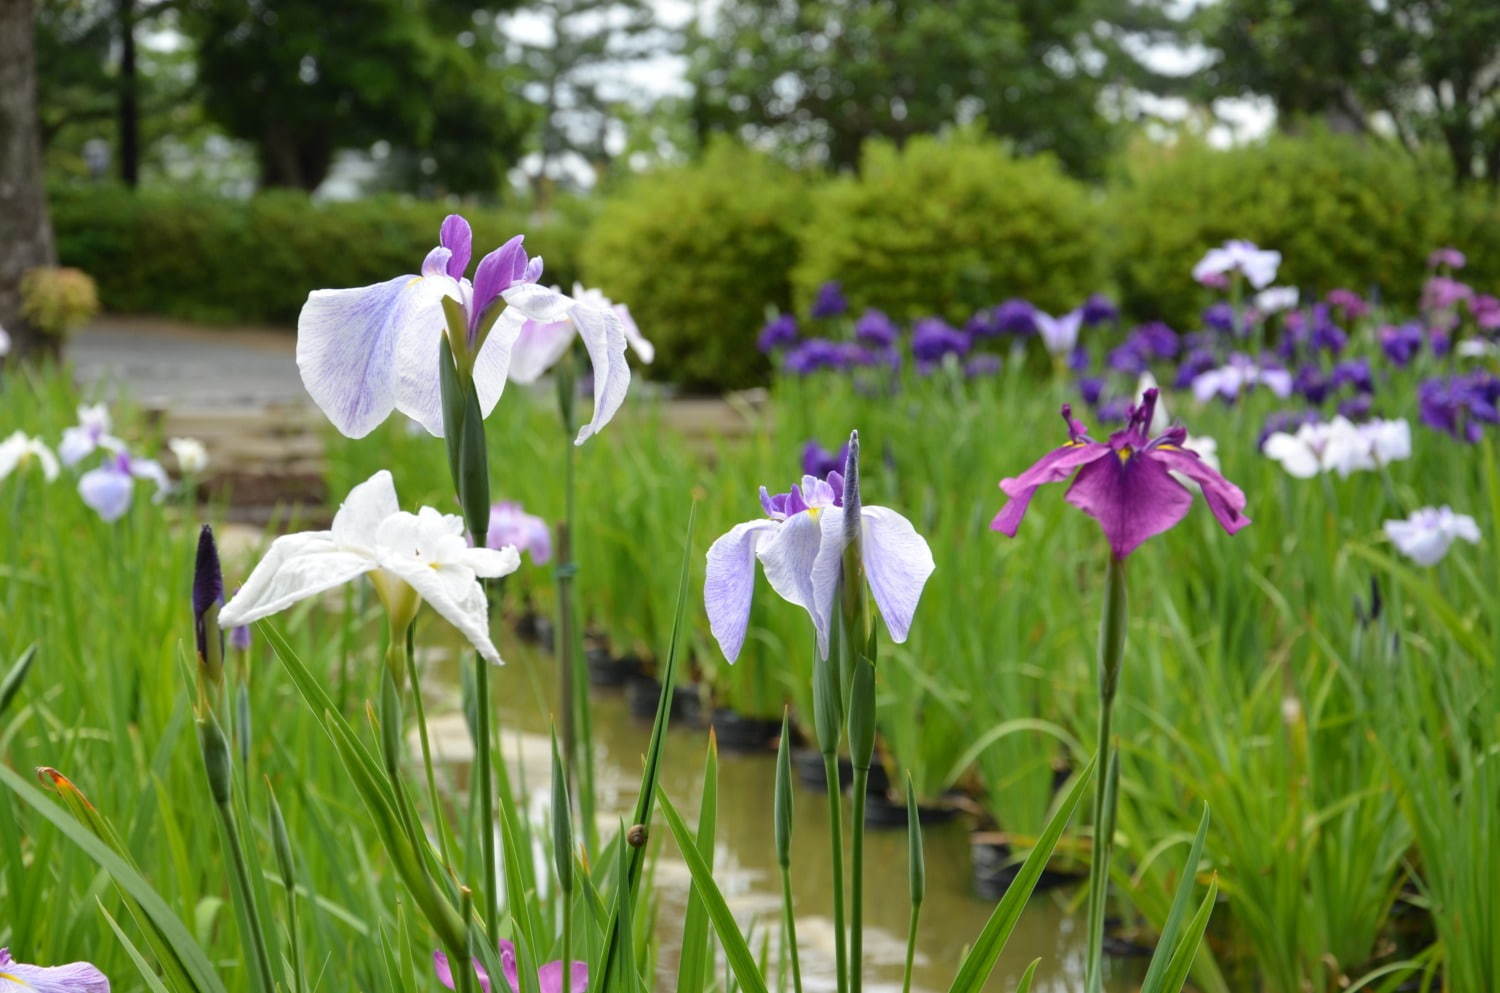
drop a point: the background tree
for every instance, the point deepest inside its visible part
(304, 79)
(824, 75)
(25, 230)
(1422, 71)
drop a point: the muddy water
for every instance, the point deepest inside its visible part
(1051, 928)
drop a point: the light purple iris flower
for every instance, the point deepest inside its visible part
(511, 525)
(366, 351)
(550, 976)
(1126, 483)
(800, 545)
(77, 977)
(1257, 265)
(91, 433)
(109, 488)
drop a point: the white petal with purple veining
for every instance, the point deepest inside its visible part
(729, 583)
(107, 490)
(493, 364)
(787, 557)
(604, 339)
(897, 564)
(75, 977)
(296, 566)
(538, 346)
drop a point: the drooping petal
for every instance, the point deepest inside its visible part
(788, 556)
(456, 236)
(897, 564)
(152, 470)
(492, 366)
(1132, 498)
(358, 518)
(604, 339)
(827, 568)
(492, 563)
(729, 582)
(296, 566)
(76, 444)
(418, 390)
(349, 344)
(551, 978)
(643, 349)
(1224, 499)
(107, 490)
(538, 302)
(76, 977)
(453, 592)
(1053, 467)
(537, 347)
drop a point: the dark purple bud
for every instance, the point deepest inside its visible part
(875, 329)
(830, 300)
(1099, 309)
(208, 594)
(1091, 388)
(1355, 373)
(778, 333)
(1017, 317)
(851, 502)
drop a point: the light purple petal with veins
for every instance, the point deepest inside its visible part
(107, 490)
(897, 564)
(604, 339)
(788, 556)
(729, 583)
(538, 346)
(75, 977)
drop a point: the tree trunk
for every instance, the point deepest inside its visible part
(129, 113)
(25, 229)
(293, 161)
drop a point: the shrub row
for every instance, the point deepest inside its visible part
(941, 225)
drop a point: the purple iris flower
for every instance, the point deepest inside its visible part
(1440, 340)
(1284, 422)
(933, 339)
(779, 332)
(1311, 382)
(1460, 405)
(1449, 257)
(800, 545)
(874, 328)
(830, 300)
(511, 526)
(109, 488)
(77, 977)
(1357, 408)
(1128, 358)
(1092, 388)
(1115, 410)
(1099, 309)
(1486, 311)
(981, 365)
(1220, 317)
(1444, 293)
(1126, 483)
(984, 324)
(1156, 340)
(1348, 303)
(1355, 373)
(1327, 335)
(366, 351)
(239, 638)
(1194, 364)
(549, 976)
(1401, 343)
(1017, 317)
(819, 462)
(814, 354)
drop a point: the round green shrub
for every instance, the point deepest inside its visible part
(946, 225)
(1342, 212)
(698, 252)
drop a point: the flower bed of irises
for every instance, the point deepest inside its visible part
(1240, 664)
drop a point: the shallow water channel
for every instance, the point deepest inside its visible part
(745, 867)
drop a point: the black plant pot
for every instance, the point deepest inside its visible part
(738, 733)
(608, 672)
(880, 812)
(642, 693)
(995, 866)
(536, 628)
(807, 763)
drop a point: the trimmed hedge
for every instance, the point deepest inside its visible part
(949, 225)
(207, 258)
(1343, 213)
(699, 252)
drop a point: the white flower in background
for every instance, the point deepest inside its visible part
(4, 343)
(409, 557)
(192, 457)
(1239, 373)
(110, 488)
(1339, 446)
(18, 451)
(1257, 265)
(91, 433)
(1274, 299)
(1206, 448)
(1426, 535)
(1059, 334)
(1469, 348)
(541, 343)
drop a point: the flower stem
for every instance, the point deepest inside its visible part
(1111, 653)
(567, 940)
(484, 791)
(836, 856)
(789, 920)
(911, 947)
(576, 725)
(857, 881)
(432, 793)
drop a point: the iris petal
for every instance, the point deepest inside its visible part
(729, 583)
(1225, 500)
(604, 339)
(788, 557)
(1132, 498)
(296, 566)
(1053, 467)
(897, 564)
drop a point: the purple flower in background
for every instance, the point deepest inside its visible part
(1156, 340)
(933, 339)
(814, 354)
(1091, 388)
(366, 351)
(876, 329)
(90, 434)
(77, 977)
(1348, 303)
(1486, 311)
(1016, 316)
(1194, 364)
(550, 976)
(1401, 343)
(1327, 335)
(1355, 373)
(109, 488)
(1115, 410)
(983, 324)
(800, 545)
(1448, 257)
(982, 365)
(1444, 293)
(1284, 422)
(779, 332)
(1220, 317)
(1440, 340)
(1127, 358)
(1099, 309)
(1357, 408)
(1126, 483)
(830, 300)
(239, 638)
(1312, 383)
(1460, 405)
(819, 462)
(511, 526)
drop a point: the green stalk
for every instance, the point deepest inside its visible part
(484, 790)
(432, 793)
(861, 751)
(783, 818)
(1111, 653)
(916, 867)
(836, 855)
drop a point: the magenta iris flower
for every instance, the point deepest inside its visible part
(77, 977)
(549, 976)
(1126, 483)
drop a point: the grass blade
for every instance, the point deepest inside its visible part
(695, 968)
